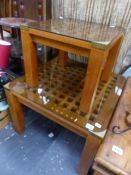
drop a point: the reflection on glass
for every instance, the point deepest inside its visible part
(79, 29)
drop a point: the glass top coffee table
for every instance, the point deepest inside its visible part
(57, 97)
(99, 43)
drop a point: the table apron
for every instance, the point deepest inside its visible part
(54, 117)
(61, 38)
(61, 45)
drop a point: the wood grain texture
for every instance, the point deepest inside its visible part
(5, 8)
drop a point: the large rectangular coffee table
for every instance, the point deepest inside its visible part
(58, 98)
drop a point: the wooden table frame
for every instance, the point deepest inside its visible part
(100, 65)
(93, 139)
(17, 116)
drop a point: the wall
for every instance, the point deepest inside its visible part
(110, 12)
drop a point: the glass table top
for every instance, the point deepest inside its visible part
(91, 32)
(14, 22)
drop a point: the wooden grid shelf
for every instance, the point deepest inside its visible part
(58, 96)
(60, 88)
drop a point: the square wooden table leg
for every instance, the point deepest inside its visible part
(111, 59)
(16, 112)
(30, 59)
(88, 154)
(95, 65)
(63, 57)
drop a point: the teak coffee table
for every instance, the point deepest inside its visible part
(97, 42)
(79, 97)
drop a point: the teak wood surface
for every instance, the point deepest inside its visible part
(101, 50)
(59, 101)
(117, 162)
